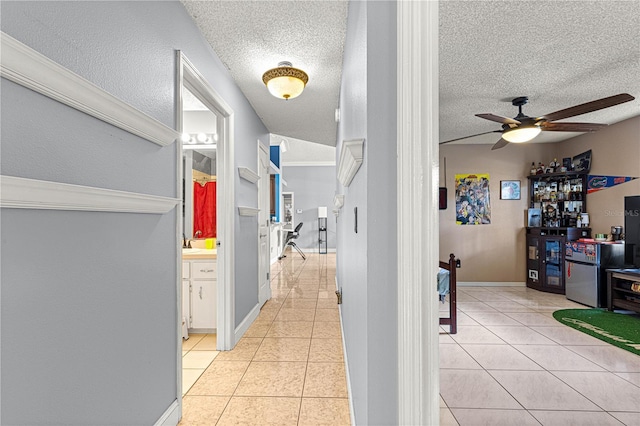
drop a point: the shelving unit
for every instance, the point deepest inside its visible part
(289, 212)
(561, 197)
(619, 297)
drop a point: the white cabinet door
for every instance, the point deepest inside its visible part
(203, 304)
(186, 298)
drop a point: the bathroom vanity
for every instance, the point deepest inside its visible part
(199, 287)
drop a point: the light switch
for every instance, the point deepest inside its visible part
(299, 211)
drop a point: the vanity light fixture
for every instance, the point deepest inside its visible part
(284, 81)
(198, 139)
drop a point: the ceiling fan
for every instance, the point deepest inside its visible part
(523, 128)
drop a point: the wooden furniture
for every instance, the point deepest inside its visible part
(618, 296)
(452, 320)
(561, 197)
(545, 256)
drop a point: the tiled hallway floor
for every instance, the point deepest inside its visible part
(288, 369)
(512, 363)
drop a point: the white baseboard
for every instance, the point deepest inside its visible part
(246, 322)
(315, 250)
(346, 366)
(171, 417)
(203, 331)
(492, 284)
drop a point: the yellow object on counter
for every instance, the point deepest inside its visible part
(210, 243)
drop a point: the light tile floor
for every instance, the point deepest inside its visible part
(512, 363)
(288, 369)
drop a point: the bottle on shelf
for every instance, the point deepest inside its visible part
(533, 168)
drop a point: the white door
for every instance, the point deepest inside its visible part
(264, 287)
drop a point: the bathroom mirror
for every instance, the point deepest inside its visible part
(199, 164)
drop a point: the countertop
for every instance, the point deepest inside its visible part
(199, 253)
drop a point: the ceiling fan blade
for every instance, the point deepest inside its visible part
(500, 144)
(571, 127)
(472, 136)
(498, 118)
(588, 107)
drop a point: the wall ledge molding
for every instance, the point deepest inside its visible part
(351, 156)
(31, 69)
(248, 174)
(248, 211)
(23, 193)
(309, 163)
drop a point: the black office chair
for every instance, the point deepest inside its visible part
(289, 241)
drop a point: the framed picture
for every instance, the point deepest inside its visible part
(509, 189)
(534, 218)
(582, 162)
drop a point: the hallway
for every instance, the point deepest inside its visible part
(289, 367)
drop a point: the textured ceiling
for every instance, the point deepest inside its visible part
(251, 37)
(558, 53)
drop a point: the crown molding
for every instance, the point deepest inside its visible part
(29, 68)
(351, 156)
(23, 193)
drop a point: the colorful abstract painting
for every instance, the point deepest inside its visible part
(473, 205)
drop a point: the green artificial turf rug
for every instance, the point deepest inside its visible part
(620, 330)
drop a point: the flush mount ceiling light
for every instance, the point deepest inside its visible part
(284, 81)
(521, 134)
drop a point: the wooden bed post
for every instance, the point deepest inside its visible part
(452, 321)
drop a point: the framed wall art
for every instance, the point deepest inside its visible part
(509, 189)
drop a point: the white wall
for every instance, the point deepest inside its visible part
(89, 321)
(366, 260)
(312, 187)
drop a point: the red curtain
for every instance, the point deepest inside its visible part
(204, 209)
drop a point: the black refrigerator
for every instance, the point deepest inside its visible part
(632, 230)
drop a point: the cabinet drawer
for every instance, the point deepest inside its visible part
(203, 270)
(186, 270)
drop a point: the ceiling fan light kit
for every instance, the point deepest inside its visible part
(523, 128)
(285, 81)
(521, 134)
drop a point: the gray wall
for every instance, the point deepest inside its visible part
(366, 261)
(312, 187)
(88, 309)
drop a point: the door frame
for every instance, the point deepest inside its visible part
(191, 79)
(264, 191)
(417, 207)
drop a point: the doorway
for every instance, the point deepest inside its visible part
(264, 229)
(191, 82)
